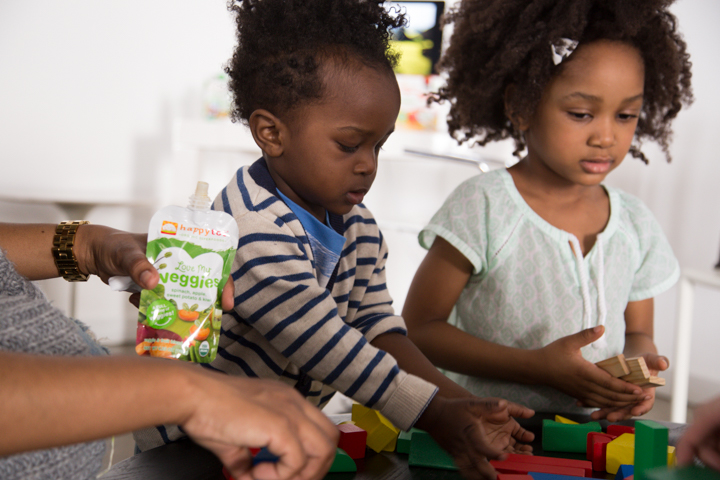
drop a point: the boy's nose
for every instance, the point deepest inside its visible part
(366, 164)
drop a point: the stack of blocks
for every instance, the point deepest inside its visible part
(633, 370)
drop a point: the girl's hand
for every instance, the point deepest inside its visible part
(563, 367)
(474, 430)
(656, 363)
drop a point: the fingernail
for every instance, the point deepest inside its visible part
(145, 278)
(648, 397)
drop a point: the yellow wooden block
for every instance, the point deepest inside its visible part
(671, 456)
(351, 422)
(620, 451)
(567, 421)
(381, 433)
(358, 411)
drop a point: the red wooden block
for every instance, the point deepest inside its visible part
(599, 455)
(512, 476)
(618, 430)
(227, 475)
(594, 437)
(559, 462)
(524, 468)
(353, 440)
(253, 451)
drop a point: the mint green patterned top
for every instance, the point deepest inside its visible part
(528, 288)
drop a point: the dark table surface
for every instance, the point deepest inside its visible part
(184, 460)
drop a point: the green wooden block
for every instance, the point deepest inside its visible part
(425, 452)
(404, 439)
(681, 473)
(343, 462)
(563, 437)
(651, 447)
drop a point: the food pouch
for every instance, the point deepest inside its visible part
(192, 249)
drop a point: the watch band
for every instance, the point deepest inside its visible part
(62, 250)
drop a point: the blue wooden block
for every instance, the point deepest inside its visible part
(553, 476)
(624, 471)
(264, 456)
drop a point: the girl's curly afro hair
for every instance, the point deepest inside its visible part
(281, 44)
(497, 43)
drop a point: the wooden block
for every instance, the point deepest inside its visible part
(227, 475)
(380, 432)
(353, 440)
(651, 445)
(560, 437)
(358, 411)
(513, 476)
(594, 437)
(506, 466)
(637, 366)
(596, 447)
(652, 381)
(560, 462)
(552, 476)
(682, 473)
(567, 421)
(343, 462)
(264, 456)
(599, 460)
(425, 452)
(671, 456)
(615, 366)
(620, 451)
(404, 440)
(624, 472)
(618, 430)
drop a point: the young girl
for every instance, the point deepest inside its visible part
(313, 80)
(549, 270)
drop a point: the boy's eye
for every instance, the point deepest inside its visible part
(346, 148)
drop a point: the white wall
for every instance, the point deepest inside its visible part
(89, 91)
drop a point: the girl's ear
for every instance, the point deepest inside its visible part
(518, 121)
(268, 132)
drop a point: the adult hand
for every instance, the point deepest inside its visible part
(106, 252)
(702, 438)
(474, 430)
(231, 415)
(564, 368)
(656, 363)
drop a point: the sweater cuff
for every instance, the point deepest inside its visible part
(409, 401)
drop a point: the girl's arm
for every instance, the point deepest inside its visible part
(436, 288)
(638, 343)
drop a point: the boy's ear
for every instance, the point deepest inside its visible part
(268, 132)
(518, 122)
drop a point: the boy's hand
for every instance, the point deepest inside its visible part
(564, 368)
(656, 363)
(474, 430)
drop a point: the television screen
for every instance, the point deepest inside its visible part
(420, 41)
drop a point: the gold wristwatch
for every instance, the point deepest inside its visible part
(62, 250)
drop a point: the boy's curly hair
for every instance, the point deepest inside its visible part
(281, 44)
(497, 43)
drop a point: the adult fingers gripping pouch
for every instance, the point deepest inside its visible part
(192, 249)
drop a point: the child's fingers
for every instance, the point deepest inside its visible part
(475, 468)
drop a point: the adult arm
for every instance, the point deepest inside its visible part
(99, 250)
(52, 401)
(702, 438)
(436, 288)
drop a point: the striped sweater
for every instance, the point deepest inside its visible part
(286, 326)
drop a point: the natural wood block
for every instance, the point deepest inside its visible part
(615, 366)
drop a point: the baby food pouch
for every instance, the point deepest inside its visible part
(192, 249)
